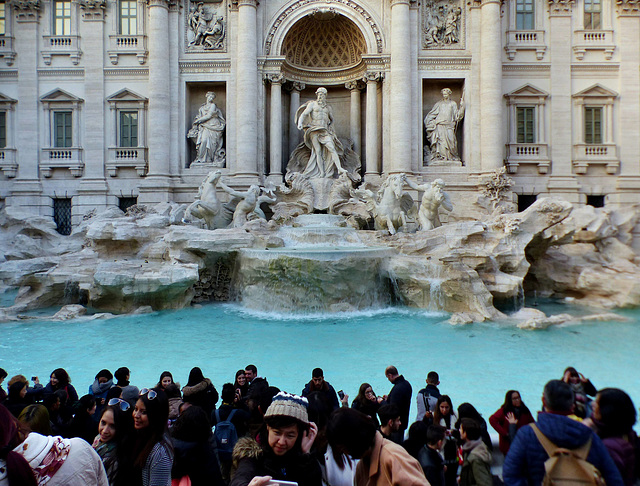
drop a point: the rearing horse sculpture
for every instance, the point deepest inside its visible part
(207, 206)
(390, 206)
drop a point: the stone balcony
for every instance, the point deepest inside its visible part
(593, 40)
(61, 158)
(127, 45)
(127, 157)
(8, 163)
(6, 49)
(61, 45)
(525, 40)
(528, 154)
(585, 155)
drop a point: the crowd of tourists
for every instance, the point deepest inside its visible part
(254, 434)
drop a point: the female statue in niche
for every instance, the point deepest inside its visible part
(208, 127)
(441, 124)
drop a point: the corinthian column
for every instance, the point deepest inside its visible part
(247, 91)
(491, 140)
(400, 103)
(355, 124)
(372, 161)
(294, 133)
(275, 127)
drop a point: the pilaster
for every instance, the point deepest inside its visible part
(400, 121)
(562, 181)
(628, 183)
(491, 137)
(93, 188)
(246, 164)
(26, 191)
(157, 185)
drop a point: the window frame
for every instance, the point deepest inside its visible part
(525, 11)
(127, 18)
(121, 125)
(64, 139)
(3, 18)
(65, 27)
(593, 135)
(590, 13)
(528, 132)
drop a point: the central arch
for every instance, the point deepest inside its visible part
(359, 29)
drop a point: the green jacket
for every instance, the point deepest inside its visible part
(476, 468)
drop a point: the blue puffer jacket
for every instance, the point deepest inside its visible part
(524, 464)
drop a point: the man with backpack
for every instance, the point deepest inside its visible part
(427, 398)
(230, 423)
(574, 450)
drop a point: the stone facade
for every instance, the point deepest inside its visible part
(97, 96)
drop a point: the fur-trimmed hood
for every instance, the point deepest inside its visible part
(246, 448)
(200, 387)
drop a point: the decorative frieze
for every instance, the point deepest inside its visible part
(126, 72)
(442, 25)
(444, 63)
(197, 67)
(206, 28)
(628, 7)
(61, 72)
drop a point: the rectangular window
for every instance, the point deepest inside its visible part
(3, 129)
(526, 124)
(3, 18)
(62, 129)
(128, 129)
(593, 124)
(62, 215)
(128, 17)
(524, 15)
(592, 14)
(62, 18)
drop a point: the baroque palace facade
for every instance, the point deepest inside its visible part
(98, 97)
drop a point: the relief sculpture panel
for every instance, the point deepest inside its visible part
(206, 27)
(442, 25)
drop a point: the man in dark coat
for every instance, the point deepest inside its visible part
(318, 384)
(400, 395)
(524, 464)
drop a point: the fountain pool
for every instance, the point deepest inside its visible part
(477, 363)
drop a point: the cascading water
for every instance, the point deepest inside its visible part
(322, 267)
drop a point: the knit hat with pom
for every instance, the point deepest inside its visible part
(287, 405)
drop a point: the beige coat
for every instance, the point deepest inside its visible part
(389, 465)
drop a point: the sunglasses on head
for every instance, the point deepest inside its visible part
(151, 394)
(123, 404)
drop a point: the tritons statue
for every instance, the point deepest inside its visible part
(433, 199)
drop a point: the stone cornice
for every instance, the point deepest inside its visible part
(560, 7)
(61, 72)
(444, 63)
(393, 3)
(630, 8)
(126, 72)
(247, 3)
(195, 67)
(8, 73)
(158, 3)
(526, 68)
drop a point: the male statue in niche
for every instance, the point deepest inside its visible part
(322, 154)
(441, 124)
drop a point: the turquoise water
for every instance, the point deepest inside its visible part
(477, 363)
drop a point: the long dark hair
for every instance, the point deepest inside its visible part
(617, 413)
(122, 422)
(361, 397)
(162, 376)
(437, 416)
(158, 414)
(508, 404)
(62, 376)
(12, 433)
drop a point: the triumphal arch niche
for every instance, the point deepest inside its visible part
(338, 47)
